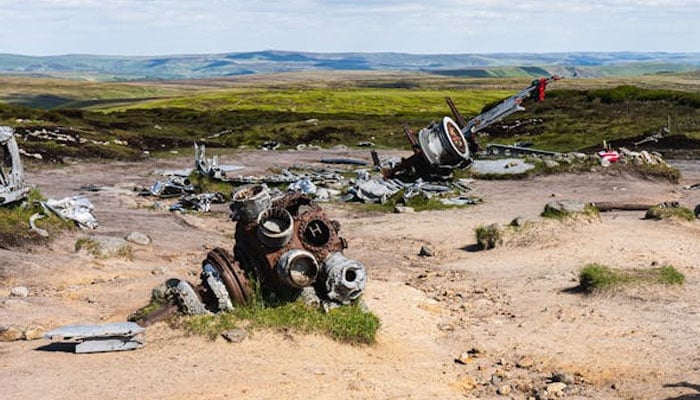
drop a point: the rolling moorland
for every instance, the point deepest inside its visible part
(578, 64)
(330, 108)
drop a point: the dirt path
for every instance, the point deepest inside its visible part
(510, 303)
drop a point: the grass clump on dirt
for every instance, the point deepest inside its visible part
(660, 213)
(588, 211)
(206, 184)
(92, 246)
(347, 324)
(14, 223)
(596, 277)
(488, 237)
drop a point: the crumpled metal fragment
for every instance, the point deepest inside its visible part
(173, 186)
(303, 185)
(76, 208)
(198, 202)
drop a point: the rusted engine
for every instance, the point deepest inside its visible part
(289, 244)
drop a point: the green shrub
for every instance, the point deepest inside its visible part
(659, 213)
(596, 277)
(488, 237)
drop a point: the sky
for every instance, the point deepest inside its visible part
(162, 27)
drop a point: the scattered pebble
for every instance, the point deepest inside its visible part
(19, 291)
(517, 221)
(138, 238)
(563, 377)
(556, 388)
(10, 333)
(504, 390)
(525, 362)
(235, 335)
(33, 333)
(426, 251)
(404, 210)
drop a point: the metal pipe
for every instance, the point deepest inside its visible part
(345, 279)
(297, 268)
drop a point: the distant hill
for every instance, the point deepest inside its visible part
(582, 64)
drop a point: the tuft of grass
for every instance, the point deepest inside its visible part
(126, 252)
(657, 171)
(596, 277)
(589, 211)
(90, 245)
(347, 324)
(488, 237)
(205, 184)
(660, 213)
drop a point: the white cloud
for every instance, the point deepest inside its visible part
(195, 26)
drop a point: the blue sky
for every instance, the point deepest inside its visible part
(157, 27)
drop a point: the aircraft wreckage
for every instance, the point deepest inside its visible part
(287, 244)
(448, 144)
(12, 185)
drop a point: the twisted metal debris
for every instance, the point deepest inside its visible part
(449, 143)
(12, 185)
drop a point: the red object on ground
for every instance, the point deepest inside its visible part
(540, 89)
(610, 155)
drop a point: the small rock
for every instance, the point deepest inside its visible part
(235, 335)
(445, 327)
(33, 333)
(551, 163)
(504, 390)
(158, 271)
(403, 210)
(464, 358)
(138, 238)
(426, 251)
(10, 333)
(19, 291)
(466, 383)
(103, 246)
(563, 377)
(697, 211)
(525, 362)
(517, 221)
(565, 206)
(556, 388)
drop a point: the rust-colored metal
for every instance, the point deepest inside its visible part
(158, 315)
(233, 276)
(312, 231)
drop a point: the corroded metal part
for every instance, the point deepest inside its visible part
(297, 268)
(275, 227)
(248, 202)
(188, 299)
(158, 315)
(212, 278)
(345, 279)
(233, 277)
